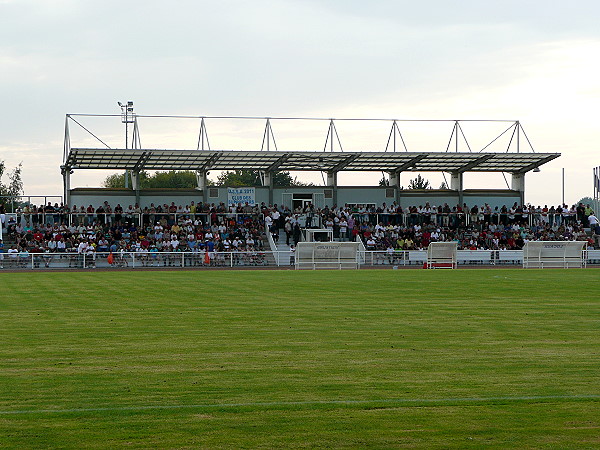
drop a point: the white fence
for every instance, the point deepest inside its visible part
(192, 260)
(81, 218)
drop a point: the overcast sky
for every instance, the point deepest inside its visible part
(533, 61)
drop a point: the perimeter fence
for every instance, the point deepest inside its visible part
(251, 259)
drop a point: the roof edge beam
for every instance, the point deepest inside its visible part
(411, 163)
(474, 163)
(345, 163)
(278, 163)
(139, 165)
(213, 159)
(537, 164)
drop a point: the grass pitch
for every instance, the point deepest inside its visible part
(464, 358)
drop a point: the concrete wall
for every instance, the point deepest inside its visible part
(493, 198)
(364, 194)
(345, 194)
(126, 197)
(96, 197)
(434, 197)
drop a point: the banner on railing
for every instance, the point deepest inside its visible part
(236, 196)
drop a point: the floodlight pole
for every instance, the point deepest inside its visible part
(127, 117)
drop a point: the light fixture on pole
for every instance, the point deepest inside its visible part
(127, 117)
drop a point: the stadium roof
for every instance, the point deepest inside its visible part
(201, 160)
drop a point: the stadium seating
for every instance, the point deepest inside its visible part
(398, 237)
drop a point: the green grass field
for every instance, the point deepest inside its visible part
(394, 358)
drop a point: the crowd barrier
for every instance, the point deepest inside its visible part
(455, 219)
(198, 260)
(137, 219)
(439, 219)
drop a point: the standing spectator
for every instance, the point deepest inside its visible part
(49, 210)
(119, 213)
(296, 233)
(593, 221)
(288, 230)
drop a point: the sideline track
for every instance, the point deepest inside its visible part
(387, 403)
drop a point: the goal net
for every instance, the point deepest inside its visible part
(327, 255)
(441, 255)
(547, 254)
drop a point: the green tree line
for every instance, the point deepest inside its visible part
(174, 179)
(14, 187)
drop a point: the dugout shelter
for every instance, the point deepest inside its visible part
(554, 254)
(327, 255)
(442, 255)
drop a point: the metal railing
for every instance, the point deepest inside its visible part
(92, 260)
(456, 219)
(247, 259)
(13, 203)
(444, 220)
(83, 218)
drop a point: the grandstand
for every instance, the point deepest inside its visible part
(157, 237)
(220, 226)
(332, 160)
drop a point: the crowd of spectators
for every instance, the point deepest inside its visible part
(216, 228)
(163, 229)
(473, 228)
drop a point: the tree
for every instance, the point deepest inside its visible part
(586, 201)
(172, 179)
(183, 179)
(443, 185)
(116, 180)
(237, 178)
(14, 188)
(384, 181)
(419, 183)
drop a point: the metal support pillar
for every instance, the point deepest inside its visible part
(201, 180)
(456, 184)
(332, 182)
(518, 184)
(395, 183)
(66, 173)
(135, 185)
(267, 179)
(202, 184)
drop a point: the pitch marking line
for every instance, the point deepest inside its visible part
(374, 403)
